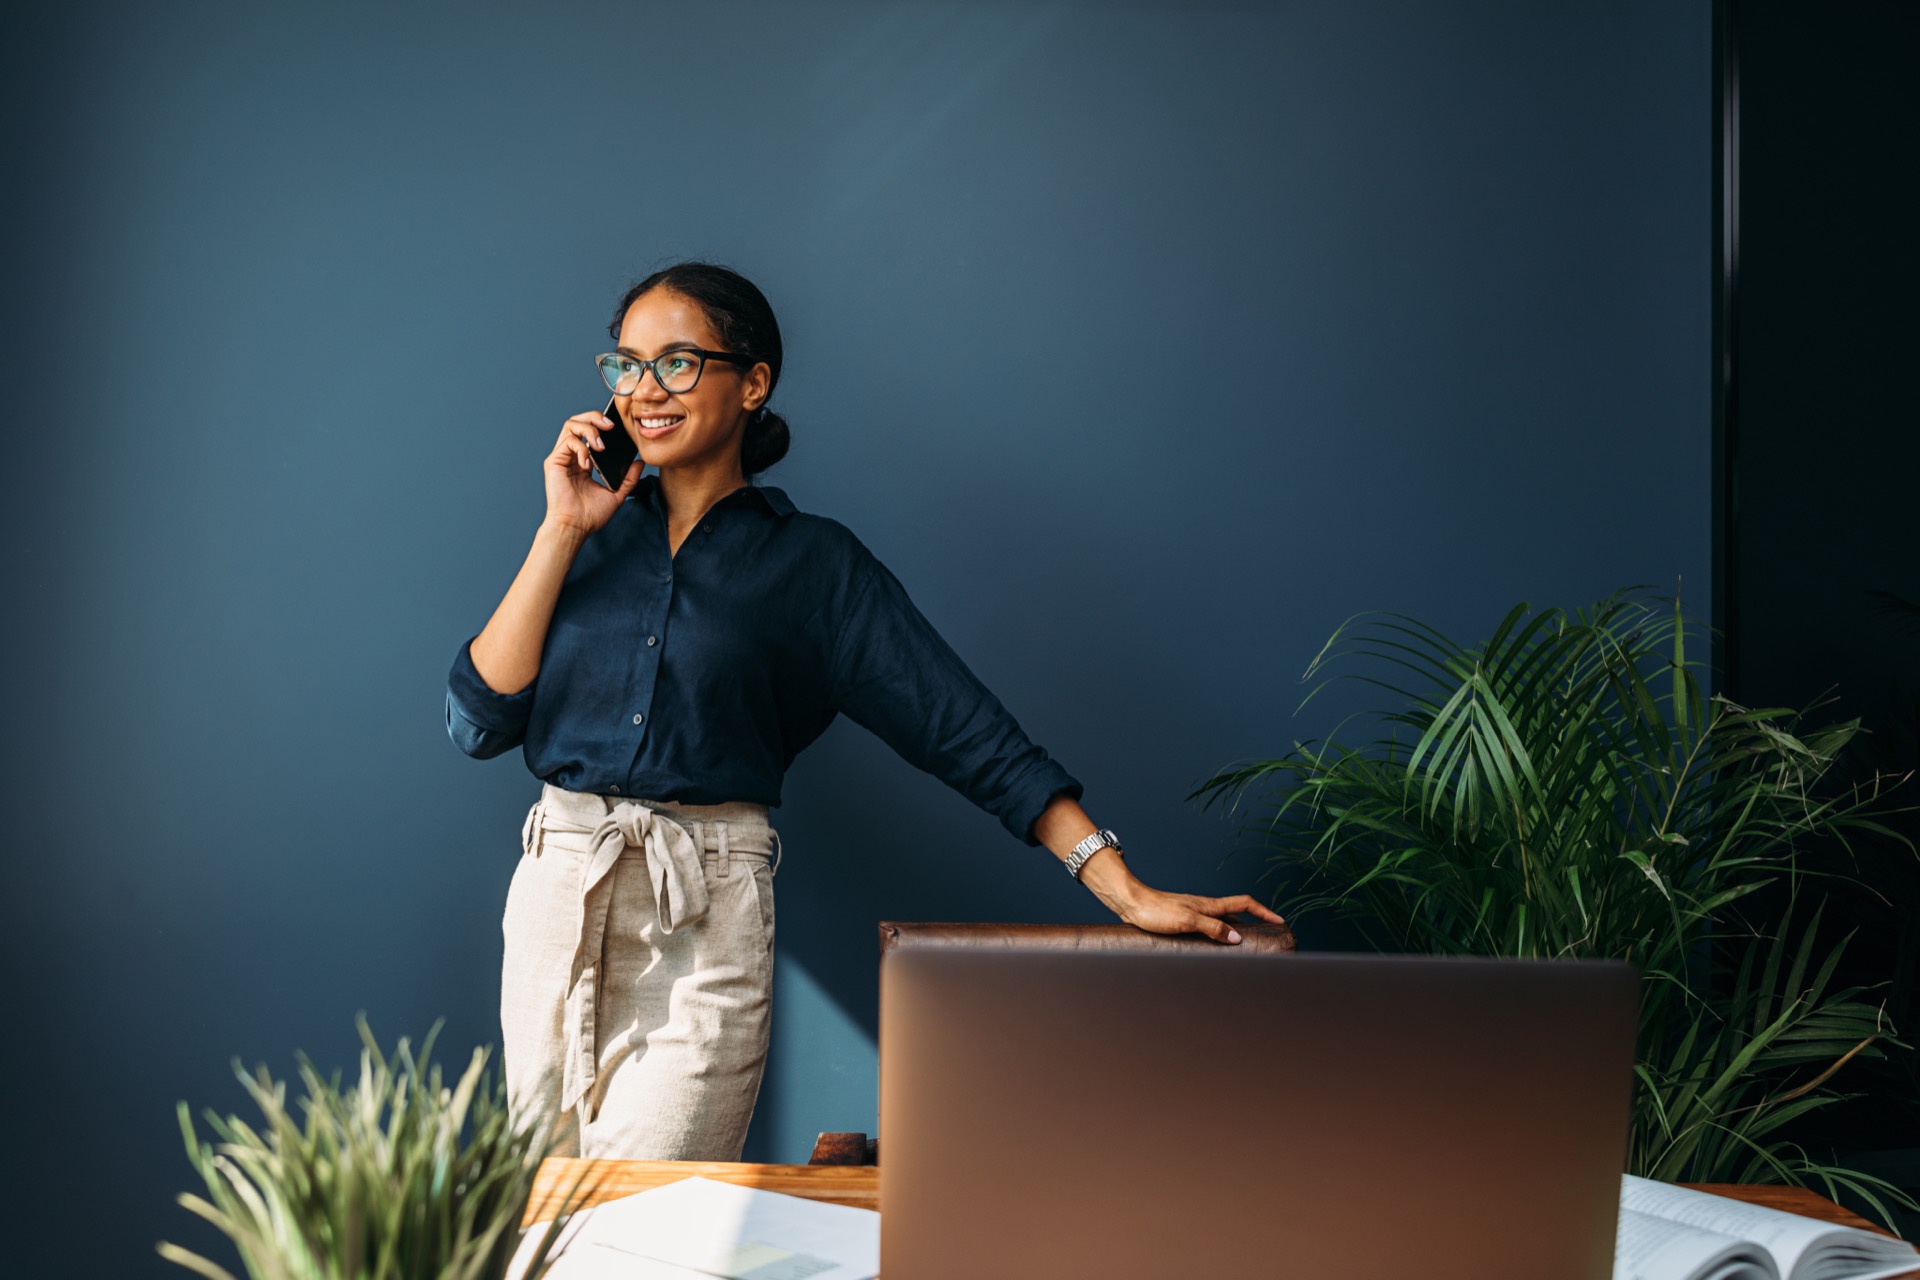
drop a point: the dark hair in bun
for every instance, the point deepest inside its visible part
(742, 317)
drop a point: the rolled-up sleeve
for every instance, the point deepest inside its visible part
(482, 722)
(893, 674)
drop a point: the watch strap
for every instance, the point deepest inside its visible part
(1101, 839)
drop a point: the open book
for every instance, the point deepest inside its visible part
(1672, 1233)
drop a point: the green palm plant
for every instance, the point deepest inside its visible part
(396, 1178)
(1566, 789)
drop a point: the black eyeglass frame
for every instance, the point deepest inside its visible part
(613, 385)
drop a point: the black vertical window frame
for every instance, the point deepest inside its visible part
(1725, 344)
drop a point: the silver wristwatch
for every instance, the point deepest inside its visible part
(1101, 839)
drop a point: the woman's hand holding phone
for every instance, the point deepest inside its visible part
(574, 497)
(506, 653)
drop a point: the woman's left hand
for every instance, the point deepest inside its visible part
(1063, 823)
(1157, 911)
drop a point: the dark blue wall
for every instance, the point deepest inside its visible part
(1145, 342)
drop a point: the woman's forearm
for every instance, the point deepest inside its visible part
(506, 653)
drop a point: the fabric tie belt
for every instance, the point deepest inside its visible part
(674, 867)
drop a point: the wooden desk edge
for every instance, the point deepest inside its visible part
(859, 1186)
(856, 1185)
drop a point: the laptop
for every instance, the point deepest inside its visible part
(1061, 1114)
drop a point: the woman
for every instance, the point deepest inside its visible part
(667, 649)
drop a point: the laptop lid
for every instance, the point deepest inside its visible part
(1051, 1114)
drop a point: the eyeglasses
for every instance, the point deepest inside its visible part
(676, 371)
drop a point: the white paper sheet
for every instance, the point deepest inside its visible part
(699, 1229)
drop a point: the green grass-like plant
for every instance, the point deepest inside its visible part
(1566, 789)
(395, 1178)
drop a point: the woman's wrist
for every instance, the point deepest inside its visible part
(1106, 875)
(1064, 824)
(560, 535)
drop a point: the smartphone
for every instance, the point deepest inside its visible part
(610, 463)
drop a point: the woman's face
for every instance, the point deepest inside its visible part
(694, 428)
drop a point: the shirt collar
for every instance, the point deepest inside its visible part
(777, 501)
(774, 498)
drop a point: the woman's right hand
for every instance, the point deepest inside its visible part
(574, 498)
(507, 651)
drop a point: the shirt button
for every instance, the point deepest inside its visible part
(637, 717)
(706, 528)
(652, 641)
(614, 790)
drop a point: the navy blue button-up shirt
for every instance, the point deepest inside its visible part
(698, 677)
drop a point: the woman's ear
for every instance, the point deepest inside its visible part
(757, 386)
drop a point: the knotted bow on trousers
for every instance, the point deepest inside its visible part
(679, 892)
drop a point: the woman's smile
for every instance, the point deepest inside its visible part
(654, 425)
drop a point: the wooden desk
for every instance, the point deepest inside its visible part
(859, 1185)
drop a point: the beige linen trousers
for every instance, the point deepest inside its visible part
(637, 987)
